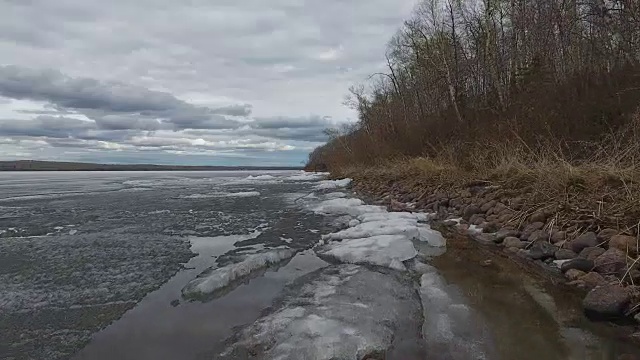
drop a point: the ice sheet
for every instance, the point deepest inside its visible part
(332, 184)
(219, 278)
(342, 312)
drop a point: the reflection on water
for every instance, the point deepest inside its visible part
(528, 319)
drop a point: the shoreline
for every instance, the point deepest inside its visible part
(490, 220)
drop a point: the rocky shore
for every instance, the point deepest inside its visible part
(601, 262)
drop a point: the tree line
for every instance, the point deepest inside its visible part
(467, 75)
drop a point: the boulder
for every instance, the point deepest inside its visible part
(565, 254)
(479, 220)
(591, 253)
(505, 233)
(538, 235)
(504, 218)
(625, 243)
(511, 241)
(574, 274)
(529, 229)
(488, 205)
(542, 250)
(606, 302)
(612, 261)
(490, 227)
(558, 236)
(538, 216)
(484, 238)
(593, 279)
(605, 234)
(577, 263)
(585, 240)
(511, 250)
(470, 210)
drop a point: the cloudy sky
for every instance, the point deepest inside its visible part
(183, 82)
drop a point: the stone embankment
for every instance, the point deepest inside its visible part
(603, 261)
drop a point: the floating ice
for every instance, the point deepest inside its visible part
(334, 195)
(307, 176)
(332, 184)
(341, 312)
(382, 250)
(353, 207)
(219, 278)
(243, 194)
(374, 236)
(222, 195)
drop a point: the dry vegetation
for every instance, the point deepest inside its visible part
(539, 96)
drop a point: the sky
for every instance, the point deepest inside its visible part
(211, 82)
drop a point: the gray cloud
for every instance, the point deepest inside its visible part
(92, 98)
(238, 78)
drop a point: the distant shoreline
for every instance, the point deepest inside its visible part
(29, 165)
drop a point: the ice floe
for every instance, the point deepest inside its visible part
(382, 250)
(306, 176)
(240, 194)
(341, 312)
(207, 284)
(373, 235)
(332, 184)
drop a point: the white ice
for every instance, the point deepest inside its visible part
(382, 250)
(306, 176)
(374, 235)
(332, 184)
(341, 206)
(240, 194)
(345, 312)
(221, 277)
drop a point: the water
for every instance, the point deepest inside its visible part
(93, 266)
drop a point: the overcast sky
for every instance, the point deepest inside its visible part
(220, 82)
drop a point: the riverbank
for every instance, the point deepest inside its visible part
(583, 235)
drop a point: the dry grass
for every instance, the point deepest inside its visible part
(600, 190)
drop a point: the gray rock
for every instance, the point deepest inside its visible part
(529, 229)
(577, 263)
(591, 253)
(538, 216)
(514, 242)
(624, 243)
(478, 221)
(565, 254)
(585, 240)
(470, 210)
(606, 302)
(574, 274)
(542, 250)
(490, 227)
(538, 235)
(606, 234)
(558, 236)
(487, 206)
(505, 233)
(592, 280)
(613, 261)
(484, 238)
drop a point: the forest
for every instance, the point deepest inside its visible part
(501, 87)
